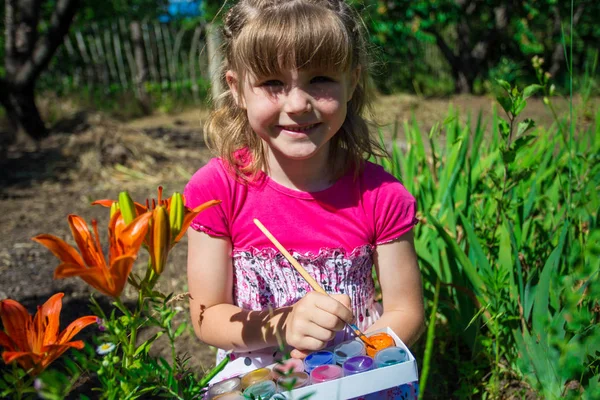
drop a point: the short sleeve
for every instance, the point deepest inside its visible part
(394, 208)
(210, 183)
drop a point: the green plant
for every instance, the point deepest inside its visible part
(121, 367)
(508, 249)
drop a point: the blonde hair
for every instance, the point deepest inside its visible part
(262, 37)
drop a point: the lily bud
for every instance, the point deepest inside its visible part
(161, 239)
(176, 214)
(127, 207)
(114, 207)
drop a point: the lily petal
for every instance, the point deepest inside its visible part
(139, 208)
(15, 319)
(6, 342)
(104, 203)
(47, 318)
(85, 241)
(10, 356)
(95, 277)
(55, 351)
(74, 328)
(133, 235)
(191, 214)
(119, 271)
(116, 225)
(59, 248)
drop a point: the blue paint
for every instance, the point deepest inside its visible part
(390, 356)
(265, 390)
(313, 360)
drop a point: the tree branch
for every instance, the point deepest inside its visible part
(9, 35)
(444, 48)
(46, 46)
(27, 31)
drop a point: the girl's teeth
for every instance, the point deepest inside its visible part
(300, 129)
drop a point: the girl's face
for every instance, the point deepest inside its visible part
(296, 112)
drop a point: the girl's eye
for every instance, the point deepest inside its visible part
(272, 83)
(321, 79)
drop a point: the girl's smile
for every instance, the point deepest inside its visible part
(299, 130)
(296, 112)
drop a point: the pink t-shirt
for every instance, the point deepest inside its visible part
(332, 233)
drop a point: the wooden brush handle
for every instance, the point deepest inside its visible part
(311, 281)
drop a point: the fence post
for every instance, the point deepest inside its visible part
(214, 40)
(192, 62)
(141, 63)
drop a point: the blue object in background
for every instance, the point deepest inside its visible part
(182, 9)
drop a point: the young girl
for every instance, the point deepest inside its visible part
(293, 147)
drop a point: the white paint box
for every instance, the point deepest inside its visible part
(364, 383)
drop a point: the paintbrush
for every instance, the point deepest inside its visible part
(309, 279)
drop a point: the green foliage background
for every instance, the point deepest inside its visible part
(509, 250)
(404, 36)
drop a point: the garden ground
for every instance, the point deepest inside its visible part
(89, 156)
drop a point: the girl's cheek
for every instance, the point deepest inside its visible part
(329, 106)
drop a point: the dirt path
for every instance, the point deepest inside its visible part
(91, 157)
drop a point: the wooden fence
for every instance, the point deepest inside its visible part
(137, 56)
(152, 57)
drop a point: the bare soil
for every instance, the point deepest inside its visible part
(88, 156)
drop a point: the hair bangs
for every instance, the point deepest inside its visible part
(300, 36)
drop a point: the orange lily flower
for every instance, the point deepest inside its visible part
(35, 342)
(164, 231)
(90, 264)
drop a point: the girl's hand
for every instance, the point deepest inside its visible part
(314, 321)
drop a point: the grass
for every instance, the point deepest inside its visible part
(508, 255)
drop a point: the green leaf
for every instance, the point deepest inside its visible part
(508, 156)
(519, 106)
(505, 261)
(503, 128)
(506, 104)
(540, 306)
(460, 255)
(534, 354)
(475, 246)
(505, 85)
(524, 126)
(145, 347)
(531, 90)
(180, 330)
(513, 243)
(528, 299)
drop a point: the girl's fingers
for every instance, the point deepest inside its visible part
(326, 320)
(310, 344)
(344, 299)
(333, 306)
(295, 353)
(318, 332)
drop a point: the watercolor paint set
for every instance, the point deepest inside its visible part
(349, 370)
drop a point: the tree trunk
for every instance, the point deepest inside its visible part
(22, 111)
(463, 84)
(459, 65)
(27, 55)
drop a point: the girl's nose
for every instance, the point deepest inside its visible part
(297, 102)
